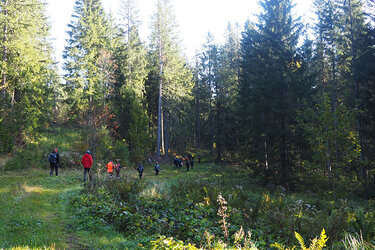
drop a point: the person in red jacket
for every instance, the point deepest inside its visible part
(87, 164)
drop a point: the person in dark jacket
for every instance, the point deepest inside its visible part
(157, 168)
(140, 169)
(192, 161)
(187, 163)
(118, 168)
(54, 162)
(87, 164)
(181, 162)
(176, 162)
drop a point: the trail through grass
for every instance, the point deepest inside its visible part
(32, 212)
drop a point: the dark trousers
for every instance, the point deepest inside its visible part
(192, 164)
(140, 174)
(187, 167)
(117, 173)
(157, 172)
(85, 172)
(54, 167)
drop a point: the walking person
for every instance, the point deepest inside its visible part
(181, 162)
(109, 167)
(54, 162)
(87, 164)
(192, 161)
(118, 168)
(140, 170)
(176, 162)
(157, 168)
(187, 163)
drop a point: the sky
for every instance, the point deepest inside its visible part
(195, 19)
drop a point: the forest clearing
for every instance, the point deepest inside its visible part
(40, 211)
(265, 140)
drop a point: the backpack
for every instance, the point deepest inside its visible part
(52, 158)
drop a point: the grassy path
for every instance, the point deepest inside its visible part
(34, 215)
(32, 211)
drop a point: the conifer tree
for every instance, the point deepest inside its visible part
(86, 57)
(173, 77)
(27, 70)
(358, 53)
(268, 88)
(129, 88)
(89, 65)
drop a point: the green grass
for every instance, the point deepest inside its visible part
(34, 211)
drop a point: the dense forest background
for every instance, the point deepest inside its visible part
(290, 109)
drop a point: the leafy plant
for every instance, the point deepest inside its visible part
(316, 243)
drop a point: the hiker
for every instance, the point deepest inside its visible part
(118, 168)
(176, 162)
(54, 161)
(181, 162)
(157, 168)
(187, 162)
(192, 161)
(87, 164)
(109, 168)
(140, 170)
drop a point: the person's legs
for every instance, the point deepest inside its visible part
(52, 169)
(85, 171)
(56, 169)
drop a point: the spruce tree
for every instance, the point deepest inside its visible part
(27, 71)
(173, 78)
(87, 58)
(268, 92)
(129, 87)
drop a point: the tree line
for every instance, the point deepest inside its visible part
(287, 106)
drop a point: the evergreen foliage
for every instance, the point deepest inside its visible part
(27, 71)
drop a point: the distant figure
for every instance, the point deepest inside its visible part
(199, 159)
(87, 164)
(157, 168)
(54, 162)
(118, 168)
(192, 161)
(176, 162)
(149, 160)
(187, 163)
(181, 162)
(140, 170)
(109, 168)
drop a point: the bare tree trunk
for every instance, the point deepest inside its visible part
(364, 170)
(159, 136)
(166, 132)
(198, 129)
(3, 73)
(162, 133)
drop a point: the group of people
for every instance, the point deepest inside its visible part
(54, 160)
(140, 168)
(189, 161)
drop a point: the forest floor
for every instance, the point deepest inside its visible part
(34, 210)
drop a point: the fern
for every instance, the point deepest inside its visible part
(316, 243)
(300, 240)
